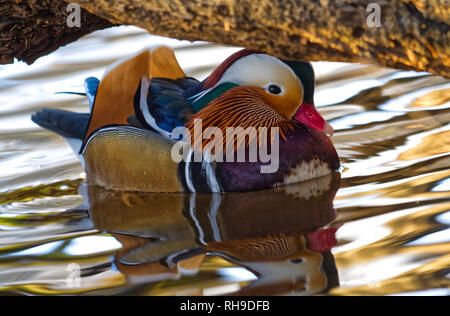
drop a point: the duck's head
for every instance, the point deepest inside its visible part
(287, 87)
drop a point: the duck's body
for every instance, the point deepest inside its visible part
(126, 142)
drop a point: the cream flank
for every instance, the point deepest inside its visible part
(308, 170)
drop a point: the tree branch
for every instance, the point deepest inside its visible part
(30, 29)
(414, 34)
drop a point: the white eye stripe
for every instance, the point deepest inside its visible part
(261, 70)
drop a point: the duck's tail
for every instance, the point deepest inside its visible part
(65, 123)
(70, 125)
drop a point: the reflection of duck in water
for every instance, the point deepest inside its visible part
(277, 234)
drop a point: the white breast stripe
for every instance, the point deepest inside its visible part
(210, 174)
(187, 171)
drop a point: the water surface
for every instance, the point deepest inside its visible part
(379, 228)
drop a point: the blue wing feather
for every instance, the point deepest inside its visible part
(167, 103)
(91, 87)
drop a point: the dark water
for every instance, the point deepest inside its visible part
(381, 227)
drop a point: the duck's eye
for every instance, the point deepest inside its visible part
(274, 89)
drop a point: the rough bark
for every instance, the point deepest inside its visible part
(414, 34)
(30, 29)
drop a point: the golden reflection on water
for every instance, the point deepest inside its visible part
(385, 233)
(432, 99)
(435, 144)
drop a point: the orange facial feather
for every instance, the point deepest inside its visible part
(244, 107)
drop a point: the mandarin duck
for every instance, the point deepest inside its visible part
(127, 141)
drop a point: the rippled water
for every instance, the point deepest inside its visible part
(382, 227)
